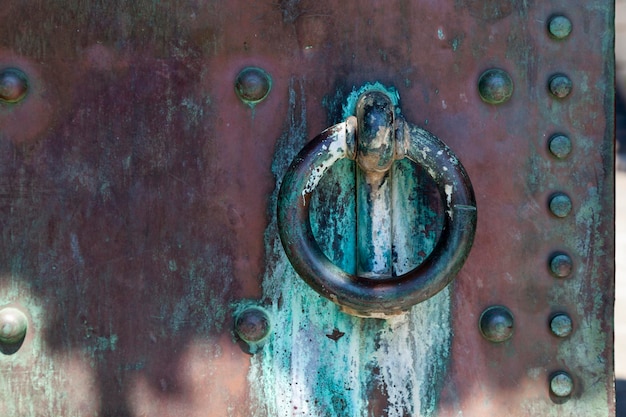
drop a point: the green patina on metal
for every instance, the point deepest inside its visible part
(583, 236)
(582, 352)
(320, 361)
(349, 108)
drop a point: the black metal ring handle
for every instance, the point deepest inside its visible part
(365, 296)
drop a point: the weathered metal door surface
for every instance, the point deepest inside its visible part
(142, 149)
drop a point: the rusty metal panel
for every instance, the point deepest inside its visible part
(139, 178)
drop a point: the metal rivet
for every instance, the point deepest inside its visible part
(561, 325)
(13, 325)
(560, 85)
(252, 85)
(13, 85)
(560, 145)
(252, 326)
(560, 27)
(495, 86)
(561, 384)
(496, 324)
(560, 205)
(561, 265)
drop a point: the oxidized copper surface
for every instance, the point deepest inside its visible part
(137, 204)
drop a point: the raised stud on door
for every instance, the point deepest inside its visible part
(560, 146)
(561, 265)
(496, 324)
(560, 86)
(559, 27)
(560, 205)
(495, 86)
(561, 384)
(13, 85)
(252, 326)
(561, 325)
(13, 326)
(252, 85)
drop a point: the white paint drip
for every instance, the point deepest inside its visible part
(413, 349)
(448, 190)
(381, 232)
(424, 150)
(335, 150)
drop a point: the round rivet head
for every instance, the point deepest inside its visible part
(559, 27)
(13, 85)
(13, 326)
(561, 265)
(560, 205)
(560, 86)
(560, 146)
(561, 384)
(496, 324)
(252, 85)
(561, 325)
(252, 326)
(495, 86)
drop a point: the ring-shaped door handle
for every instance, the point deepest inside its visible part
(380, 296)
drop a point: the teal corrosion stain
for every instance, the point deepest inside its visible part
(349, 108)
(456, 43)
(319, 361)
